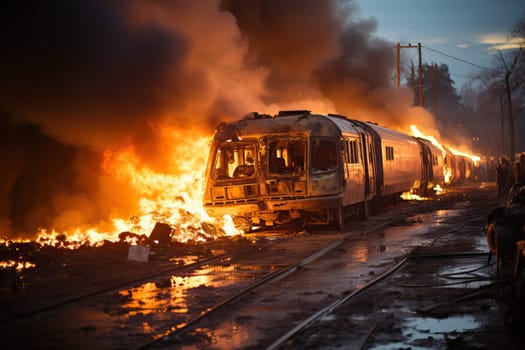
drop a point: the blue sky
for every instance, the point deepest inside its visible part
(467, 29)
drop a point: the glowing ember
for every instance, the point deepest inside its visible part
(17, 265)
(438, 190)
(410, 196)
(172, 197)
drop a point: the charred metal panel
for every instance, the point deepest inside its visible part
(305, 204)
(280, 187)
(225, 193)
(325, 184)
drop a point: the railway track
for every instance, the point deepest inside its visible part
(237, 306)
(268, 279)
(67, 316)
(241, 300)
(113, 288)
(208, 330)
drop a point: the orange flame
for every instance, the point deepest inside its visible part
(417, 133)
(447, 172)
(173, 198)
(475, 159)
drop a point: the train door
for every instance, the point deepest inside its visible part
(426, 167)
(367, 151)
(353, 171)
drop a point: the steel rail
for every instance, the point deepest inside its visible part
(267, 279)
(305, 323)
(112, 288)
(330, 308)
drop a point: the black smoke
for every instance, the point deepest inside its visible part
(81, 77)
(77, 78)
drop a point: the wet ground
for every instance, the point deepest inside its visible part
(426, 304)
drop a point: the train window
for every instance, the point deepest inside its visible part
(234, 160)
(389, 152)
(286, 155)
(324, 156)
(353, 152)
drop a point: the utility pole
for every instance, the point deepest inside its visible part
(420, 69)
(436, 89)
(420, 76)
(398, 66)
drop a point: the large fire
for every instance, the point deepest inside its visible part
(173, 198)
(447, 171)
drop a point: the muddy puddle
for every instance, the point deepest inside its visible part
(419, 332)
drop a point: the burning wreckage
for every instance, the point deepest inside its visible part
(264, 170)
(318, 169)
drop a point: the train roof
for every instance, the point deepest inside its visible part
(302, 121)
(297, 122)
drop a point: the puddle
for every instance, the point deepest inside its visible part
(169, 295)
(423, 326)
(395, 240)
(473, 273)
(421, 329)
(184, 260)
(232, 335)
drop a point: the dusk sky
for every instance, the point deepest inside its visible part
(466, 29)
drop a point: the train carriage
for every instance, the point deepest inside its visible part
(265, 170)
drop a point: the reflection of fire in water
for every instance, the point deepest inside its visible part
(150, 298)
(173, 198)
(410, 196)
(17, 265)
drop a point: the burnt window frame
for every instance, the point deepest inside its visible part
(290, 167)
(247, 143)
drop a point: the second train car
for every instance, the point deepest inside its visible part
(265, 170)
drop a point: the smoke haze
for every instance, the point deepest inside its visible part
(83, 77)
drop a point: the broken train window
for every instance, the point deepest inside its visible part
(234, 160)
(286, 155)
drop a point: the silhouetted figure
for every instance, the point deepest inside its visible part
(505, 176)
(519, 170)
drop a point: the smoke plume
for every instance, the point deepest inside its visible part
(83, 77)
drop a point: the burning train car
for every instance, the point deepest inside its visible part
(265, 170)
(460, 167)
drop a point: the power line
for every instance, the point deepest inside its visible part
(460, 59)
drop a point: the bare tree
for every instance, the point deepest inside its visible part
(505, 81)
